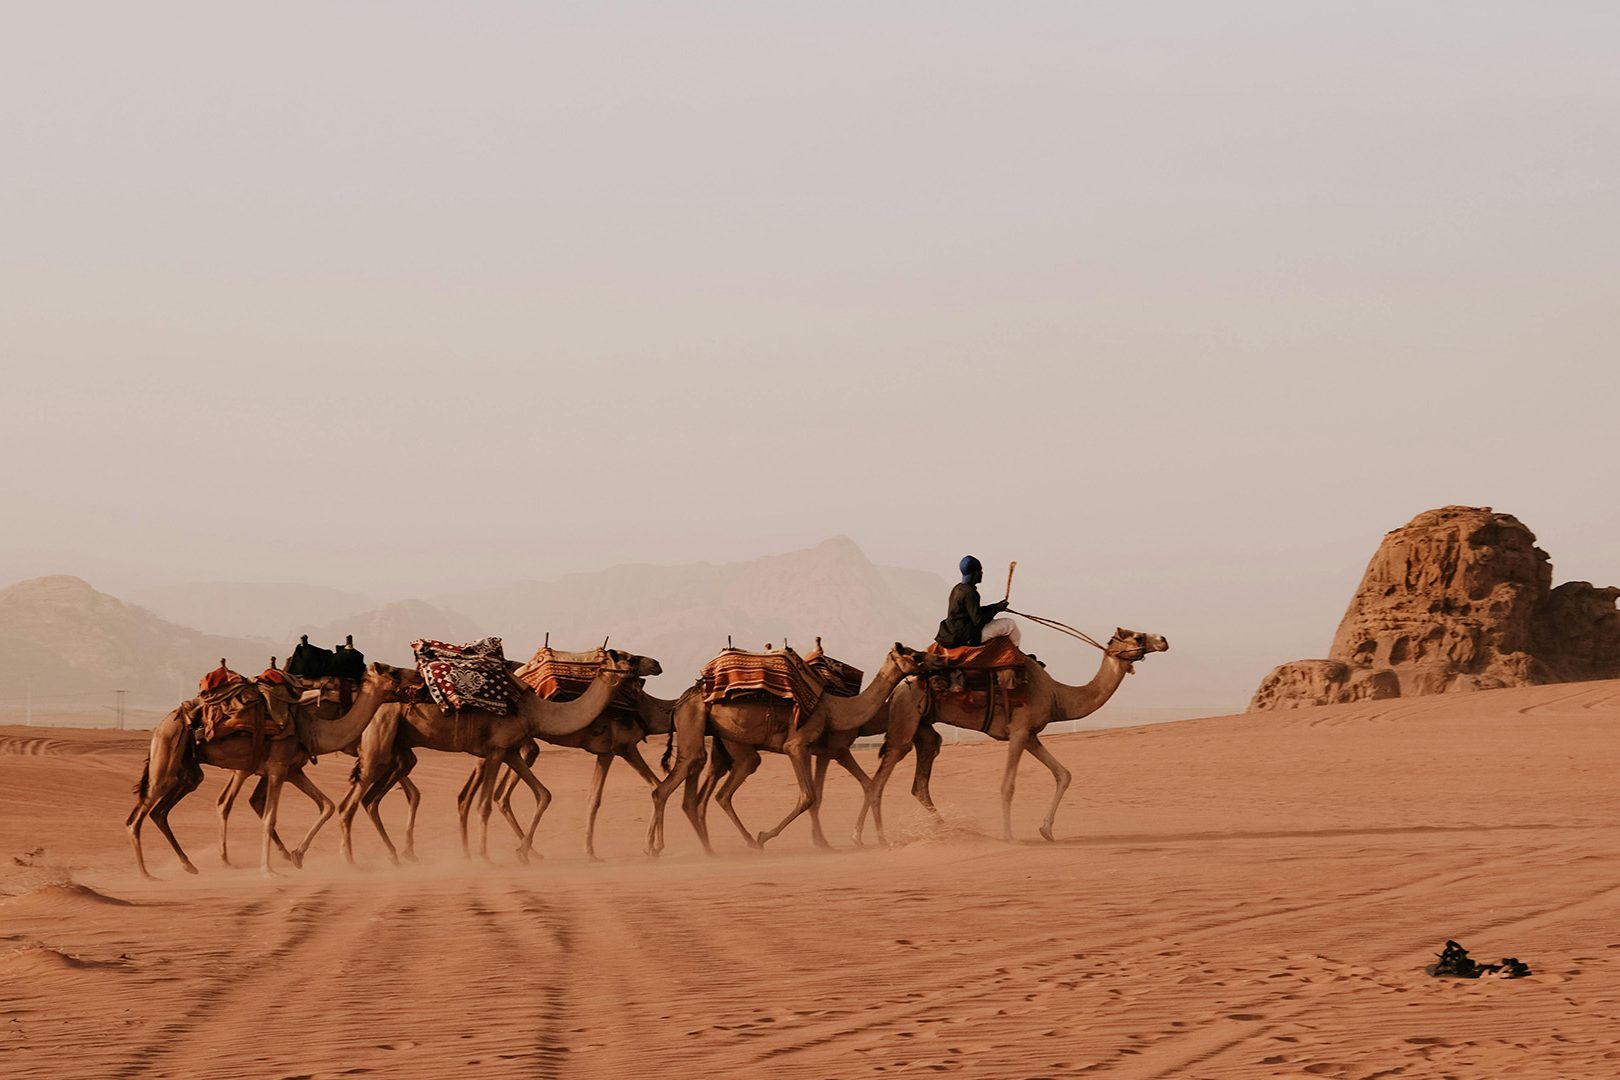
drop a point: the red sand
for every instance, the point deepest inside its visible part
(1235, 897)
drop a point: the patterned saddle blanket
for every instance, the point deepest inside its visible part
(841, 678)
(781, 673)
(470, 676)
(563, 676)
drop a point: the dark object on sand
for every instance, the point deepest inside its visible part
(1455, 963)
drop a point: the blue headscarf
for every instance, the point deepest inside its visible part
(968, 566)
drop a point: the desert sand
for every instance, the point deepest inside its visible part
(1232, 897)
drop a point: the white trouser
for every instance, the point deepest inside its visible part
(1001, 628)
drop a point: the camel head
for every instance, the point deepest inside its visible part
(629, 665)
(915, 662)
(1132, 645)
(392, 679)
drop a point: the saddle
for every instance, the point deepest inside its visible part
(781, 674)
(240, 707)
(841, 678)
(470, 676)
(992, 677)
(563, 676)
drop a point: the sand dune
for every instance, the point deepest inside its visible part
(1233, 897)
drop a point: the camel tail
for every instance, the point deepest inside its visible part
(669, 751)
(144, 784)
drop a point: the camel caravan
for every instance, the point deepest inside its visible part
(470, 699)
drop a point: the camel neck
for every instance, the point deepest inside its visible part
(657, 714)
(332, 735)
(1080, 701)
(550, 719)
(849, 713)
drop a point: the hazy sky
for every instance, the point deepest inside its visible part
(1180, 305)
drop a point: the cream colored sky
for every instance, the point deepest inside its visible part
(1181, 305)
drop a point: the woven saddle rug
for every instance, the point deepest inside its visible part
(841, 678)
(563, 676)
(998, 654)
(781, 673)
(470, 676)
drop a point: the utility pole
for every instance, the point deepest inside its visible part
(120, 720)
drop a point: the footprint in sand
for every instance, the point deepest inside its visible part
(403, 1044)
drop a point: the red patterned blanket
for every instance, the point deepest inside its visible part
(781, 673)
(563, 676)
(471, 676)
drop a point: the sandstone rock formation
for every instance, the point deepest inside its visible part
(1457, 599)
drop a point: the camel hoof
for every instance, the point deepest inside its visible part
(188, 868)
(759, 842)
(408, 856)
(1046, 831)
(297, 858)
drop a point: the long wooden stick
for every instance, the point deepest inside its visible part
(1010, 568)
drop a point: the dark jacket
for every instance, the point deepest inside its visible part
(965, 617)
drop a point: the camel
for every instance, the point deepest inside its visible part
(833, 746)
(606, 738)
(173, 765)
(1046, 701)
(324, 710)
(387, 749)
(749, 725)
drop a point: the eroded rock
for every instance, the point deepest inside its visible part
(1458, 599)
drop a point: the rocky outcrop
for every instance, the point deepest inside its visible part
(1459, 598)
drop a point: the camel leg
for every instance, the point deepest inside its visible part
(927, 742)
(853, 767)
(819, 784)
(744, 760)
(227, 798)
(542, 797)
(1017, 740)
(902, 729)
(604, 762)
(169, 778)
(256, 800)
(718, 768)
(486, 803)
(486, 778)
(687, 762)
(413, 799)
(272, 804)
(324, 805)
(504, 786)
(1059, 773)
(633, 757)
(799, 755)
(160, 814)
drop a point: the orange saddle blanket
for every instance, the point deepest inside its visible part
(563, 676)
(781, 673)
(998, 654)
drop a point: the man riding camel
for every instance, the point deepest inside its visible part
(968, 622)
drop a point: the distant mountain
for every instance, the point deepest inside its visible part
(386, 633)
(683, 614)
(64, 642)
(249, 609)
